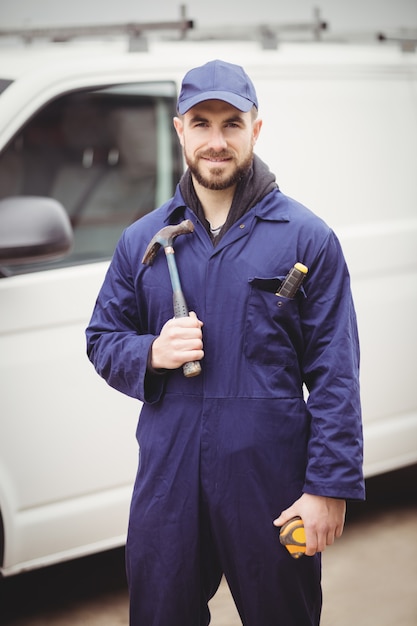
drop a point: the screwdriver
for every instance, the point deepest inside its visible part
(293, 280)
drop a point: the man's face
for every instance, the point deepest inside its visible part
(218, 141)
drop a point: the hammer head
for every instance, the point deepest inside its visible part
(165, 238)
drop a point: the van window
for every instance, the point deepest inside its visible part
(4, 83)
(109, 155)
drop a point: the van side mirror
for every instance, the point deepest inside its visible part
(33, 228)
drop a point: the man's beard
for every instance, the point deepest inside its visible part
(215, 181)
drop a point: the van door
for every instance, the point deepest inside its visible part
(67, 445)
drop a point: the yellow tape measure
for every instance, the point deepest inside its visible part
(292, 535)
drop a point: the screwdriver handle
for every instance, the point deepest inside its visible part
(292, 281)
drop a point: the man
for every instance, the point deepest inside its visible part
(229, 456)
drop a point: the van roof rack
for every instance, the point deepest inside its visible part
(134, 30)
(407, 39)
(269, 35)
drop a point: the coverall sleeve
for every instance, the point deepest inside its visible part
(116, 343)
(331, 374)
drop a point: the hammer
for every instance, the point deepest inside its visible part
(165, 238)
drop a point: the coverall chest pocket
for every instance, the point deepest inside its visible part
(272, 330)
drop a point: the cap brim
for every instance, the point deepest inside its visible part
(243, 104)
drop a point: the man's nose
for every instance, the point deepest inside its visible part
(217, 139)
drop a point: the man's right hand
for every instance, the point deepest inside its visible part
(180, 341)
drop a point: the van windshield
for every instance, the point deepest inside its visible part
(109, 155)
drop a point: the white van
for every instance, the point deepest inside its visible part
(90, 127)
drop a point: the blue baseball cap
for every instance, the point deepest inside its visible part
(217, 80)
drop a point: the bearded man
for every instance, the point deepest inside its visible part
(227, 457)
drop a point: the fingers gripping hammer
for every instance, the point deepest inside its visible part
(164, 238)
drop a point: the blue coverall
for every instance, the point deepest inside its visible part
(222, 454)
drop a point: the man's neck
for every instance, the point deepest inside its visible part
(215, 204)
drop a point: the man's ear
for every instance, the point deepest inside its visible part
(257, 125)
(179, 127)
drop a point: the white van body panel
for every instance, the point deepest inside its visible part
(340, 133)
(68, 451)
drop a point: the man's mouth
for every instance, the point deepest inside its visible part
(216, 158)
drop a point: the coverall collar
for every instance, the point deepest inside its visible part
(273, 207)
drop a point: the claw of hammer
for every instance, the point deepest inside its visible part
(165, 238)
